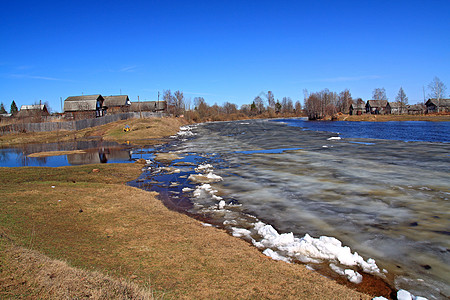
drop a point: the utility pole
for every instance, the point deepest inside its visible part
(140, 112)
(158, 96)
(60, 99)
(423, 88)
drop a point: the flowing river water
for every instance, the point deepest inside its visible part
(298, 194)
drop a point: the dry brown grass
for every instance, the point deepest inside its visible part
(31, 274)
(102, 225)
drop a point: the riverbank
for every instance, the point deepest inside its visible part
(147, 131)
(398, 118)
(88, 217)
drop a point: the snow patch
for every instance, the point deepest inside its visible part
(334, 138)
(308, 249)
(275, 256)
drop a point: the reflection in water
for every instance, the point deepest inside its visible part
(96, 152)
(103, 155)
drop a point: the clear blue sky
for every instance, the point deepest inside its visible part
(220, 50)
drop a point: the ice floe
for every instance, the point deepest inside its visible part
(308, 249)
(403, 295)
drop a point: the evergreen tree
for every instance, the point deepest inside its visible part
(14, 108)
(2, 109)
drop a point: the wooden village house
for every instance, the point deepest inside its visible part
(84, 107)
(117, 104)
(397, 108)
(416, 109)
(377, 107)
(357, 108)
(434, 106)
(33, 112)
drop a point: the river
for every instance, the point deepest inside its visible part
(297, 189)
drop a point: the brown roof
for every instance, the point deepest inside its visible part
(116, 101)
(82, 103)
(442, 102)
(415, 107)
(377, 103)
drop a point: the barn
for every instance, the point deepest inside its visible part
(84, 107)
(117, 104)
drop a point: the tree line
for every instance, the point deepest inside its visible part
(325, 103)
(263, 106)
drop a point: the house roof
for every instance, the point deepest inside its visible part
(119, 100)
(359, 104)
(377, 103)
(442, 102)
(396, 105)
(82, 103)
(416, 107)
(34, 106)
(148, 105)
(32, 110)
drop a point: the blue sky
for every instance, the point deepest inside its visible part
(220, 50)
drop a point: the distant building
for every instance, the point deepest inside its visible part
(84, 107)
(148, 106)
(32, 111)
(357, 108)
(116, 104)
(434, 106)
(377, 107)
(397, 108)
(416, 109)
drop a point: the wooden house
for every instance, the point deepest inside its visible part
(116, 104)
(397, 108)
(377, 107)
(357, 108)
(35, 111)
(434, 106)
(152, 106)
(416, 109)
(84, 107)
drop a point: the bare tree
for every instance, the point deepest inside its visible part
(437, 91)
(298, 107)
(344, 101)
(379, 94)
(259, 103)
(201, 107)
(270, 100)
(286, 105)
(167, 96)
(179, 102)
(229, 108)
(402, 99)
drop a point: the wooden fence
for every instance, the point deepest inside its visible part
(74, 125)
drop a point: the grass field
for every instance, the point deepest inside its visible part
(109, 232)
